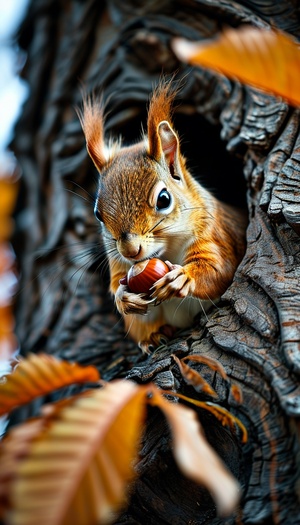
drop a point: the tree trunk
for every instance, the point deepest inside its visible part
(245, 145)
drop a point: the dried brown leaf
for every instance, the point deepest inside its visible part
(267, 59)
(219, 412)
(38, 375)
(14, 447)
(77, 470)
(237, 393)
(192, 377)
(213, 364)
(196, 458)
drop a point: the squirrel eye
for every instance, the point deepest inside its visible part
(97, 214)
(163, 200)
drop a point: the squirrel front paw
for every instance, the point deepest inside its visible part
(176, 283)
(131, 303)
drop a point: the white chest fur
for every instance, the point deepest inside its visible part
(179, 313)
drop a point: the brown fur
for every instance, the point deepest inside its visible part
(159, 110)
(91, 119)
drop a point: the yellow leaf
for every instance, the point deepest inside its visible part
(196, 458)
(39, 375)
(14, 447)
(76, 472)
(7, 322)
(266, 59)
(8, 195)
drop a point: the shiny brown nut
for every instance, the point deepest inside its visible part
(142, 275)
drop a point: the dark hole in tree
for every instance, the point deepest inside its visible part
(209, 161)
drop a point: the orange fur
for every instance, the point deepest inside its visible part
(151, 206)
(160, 109)
(91, 119)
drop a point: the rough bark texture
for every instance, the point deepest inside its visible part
(242, 143)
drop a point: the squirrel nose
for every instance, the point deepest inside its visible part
(129, 245)
(126, 236)
(133, 253)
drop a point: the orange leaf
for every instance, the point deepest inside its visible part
(14, 447)
(219, 412)
(209, 361)
(7, 321)
(236, 393)
(192, 377)
(8, 194)
(38, 375)
(213, 364)
(267, 59)
(196, 458)
(77, 470)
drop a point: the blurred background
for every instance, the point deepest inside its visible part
(13, 90)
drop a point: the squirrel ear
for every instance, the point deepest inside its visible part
(91, 119)
(169, 145)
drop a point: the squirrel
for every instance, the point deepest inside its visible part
(149, 205)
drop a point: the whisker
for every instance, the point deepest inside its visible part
(80, 196)
(92, 253)
(212, 302)
(203, 309)
(178, 306)
(191, 208)
(92, 197)
(38, 254)
(155, 225)
(83, 268)
(129, 328)
(64, 288)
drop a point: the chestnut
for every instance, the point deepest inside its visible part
(142, 275)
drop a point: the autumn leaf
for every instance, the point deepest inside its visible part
(77, 470)
(8, 193)
(39, 375)
(72, 466)
(7, 321)
(196, 458)
(266, 59)
(14, 447)
(236, 393)
(192, 377)
(221, 413)
(213, 364)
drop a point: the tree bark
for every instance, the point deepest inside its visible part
(242, 143)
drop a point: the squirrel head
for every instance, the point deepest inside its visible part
(143, 188)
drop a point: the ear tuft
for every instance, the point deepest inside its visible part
(160, 110)
(92, 123)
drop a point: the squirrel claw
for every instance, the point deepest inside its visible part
(130, 303)
(156, 339)
(176, 283)
(146, 347)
